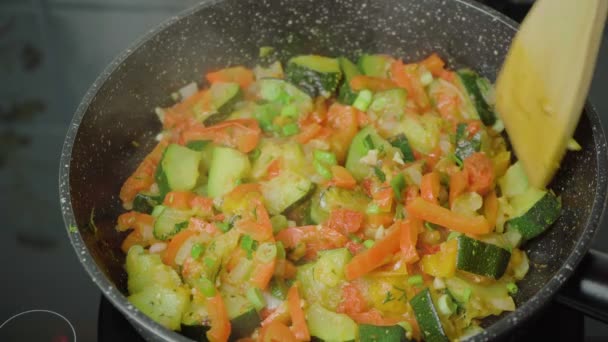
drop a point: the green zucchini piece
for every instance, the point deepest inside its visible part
(466, 146)
(330, 326)
(326, 200)
(481, 258)
(374, 333)
(515, 181)
(345, 94)
(180, 166)
(195, 332)
(315, 75)
(468, 78)
(161, 179)
(359, 148)
(163, 305)
(400, 141)
(543, 208)
(243, 325)
(330, 266)
(223, 98)
(427, 317)
(228, 166)
(285, 190)
(389, 104)
(146, 269)
(169, 222)
(375, 65)
(144, 203)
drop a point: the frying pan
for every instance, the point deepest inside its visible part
(115, 125)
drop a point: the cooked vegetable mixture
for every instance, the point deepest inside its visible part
(323, 199)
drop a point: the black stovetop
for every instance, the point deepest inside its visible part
(50, 52)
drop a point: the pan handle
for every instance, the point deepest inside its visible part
(587, 290)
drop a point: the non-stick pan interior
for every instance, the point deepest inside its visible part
(118, 124)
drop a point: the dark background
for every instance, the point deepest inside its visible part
(50, 52)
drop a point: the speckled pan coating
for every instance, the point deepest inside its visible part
(98, 153)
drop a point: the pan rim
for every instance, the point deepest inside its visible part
(119, 300)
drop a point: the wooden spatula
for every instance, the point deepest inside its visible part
(544, 81)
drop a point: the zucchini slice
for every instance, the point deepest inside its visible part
(228, 166)
(163, 305)
(330, 326)
(345, 94)
(195, 332)
(359, 148)
(180, 167)
(243, 325)
(389, 104)
(315, 75)
(144, 203)
(223, 98)
(169, 222)
(538, 208)
(469, 81)
(427, 317)
(375, 65)
(481, 258)
(326, 200)
(466, 146)
(284, 190)
(374, 333)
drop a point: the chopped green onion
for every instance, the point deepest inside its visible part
(381, 176)
(368, 243)
(573, 145)
(325, 157)
(446, 305)
(247, 244)
(322, 170)
(291, 111)
(271, 91)
(280, 250)
(373, 208)
(256, 298)
(223, 226)
(157, 210)
(206, 287)
(512, 288)
(279, 222)
(290, 129)
(368, 142)
(363, 100)
(398, 184)
(426, 78)
(209, 262)
(453, 235)
(415, 280)
(355, 238)
(267, 252)
(197, 250)
(457, 160)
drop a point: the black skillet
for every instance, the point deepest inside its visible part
(115, 124)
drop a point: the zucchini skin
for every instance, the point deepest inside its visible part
(243, 325)
(345, 94)
(311, 81)
(538, 218)
(427, 317)
(468, 78)
(481, 258)
(374, 333)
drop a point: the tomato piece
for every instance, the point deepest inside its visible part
(342, 178)
(374, 257)
(220, 324)
(242, 134)
(345, 220)
(430, 187)
(298, 320)
(434, 64)
(409, 237)
(315, 239)
(241, 75)
(143, 177)
(342, 120)
(480, 171)
(370, 83)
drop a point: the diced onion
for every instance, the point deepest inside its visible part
(188, 90)
(158, 247)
